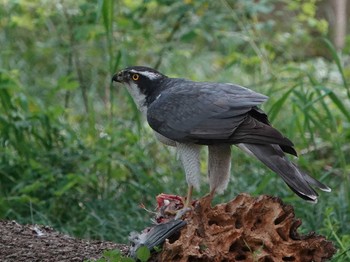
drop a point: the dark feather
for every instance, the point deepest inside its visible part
(273, 157)
(205, 113)
(211, 113)
(254, 132)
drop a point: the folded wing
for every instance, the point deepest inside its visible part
(211, 113)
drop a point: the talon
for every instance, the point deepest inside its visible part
(173, 207)
(182, 212)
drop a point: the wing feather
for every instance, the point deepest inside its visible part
(208, 113)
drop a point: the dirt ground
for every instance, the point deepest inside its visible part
(42, 243)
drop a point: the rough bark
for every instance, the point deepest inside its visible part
(245, 229)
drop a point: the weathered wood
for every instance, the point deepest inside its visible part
(245, 229)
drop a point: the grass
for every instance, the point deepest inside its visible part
(77, 155)
(91, 184)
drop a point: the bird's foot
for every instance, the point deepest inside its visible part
(172, 207)
(180, 213)
(209, 197)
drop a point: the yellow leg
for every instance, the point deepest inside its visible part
(211, 195)
(189, 197)
(187, 206)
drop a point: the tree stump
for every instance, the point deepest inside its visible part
(245, 229)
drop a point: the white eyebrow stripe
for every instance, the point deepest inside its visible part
(148, 74)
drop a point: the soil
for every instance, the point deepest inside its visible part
(43, 243)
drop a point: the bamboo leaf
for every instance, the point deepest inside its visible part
(336, 58)
(279, 104)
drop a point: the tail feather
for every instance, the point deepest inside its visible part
(314, 182)
(273, 157)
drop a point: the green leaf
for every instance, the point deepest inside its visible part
(279, 104)
(338, 103)
(336, 58)
(107, 14)
(143, 253)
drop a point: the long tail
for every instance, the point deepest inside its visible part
(273, 157)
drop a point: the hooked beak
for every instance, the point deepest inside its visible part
(118, 77)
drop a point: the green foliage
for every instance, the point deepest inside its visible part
(75, 153)
(143, 253)
(343, 241)
(112, 256)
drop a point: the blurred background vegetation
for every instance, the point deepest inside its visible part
(75, 153)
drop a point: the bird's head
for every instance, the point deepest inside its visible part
(140, 76)
(143, 83)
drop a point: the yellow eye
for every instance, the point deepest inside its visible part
(135, 77)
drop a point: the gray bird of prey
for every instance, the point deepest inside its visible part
(188, 115)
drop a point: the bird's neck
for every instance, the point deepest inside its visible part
(153, 93)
